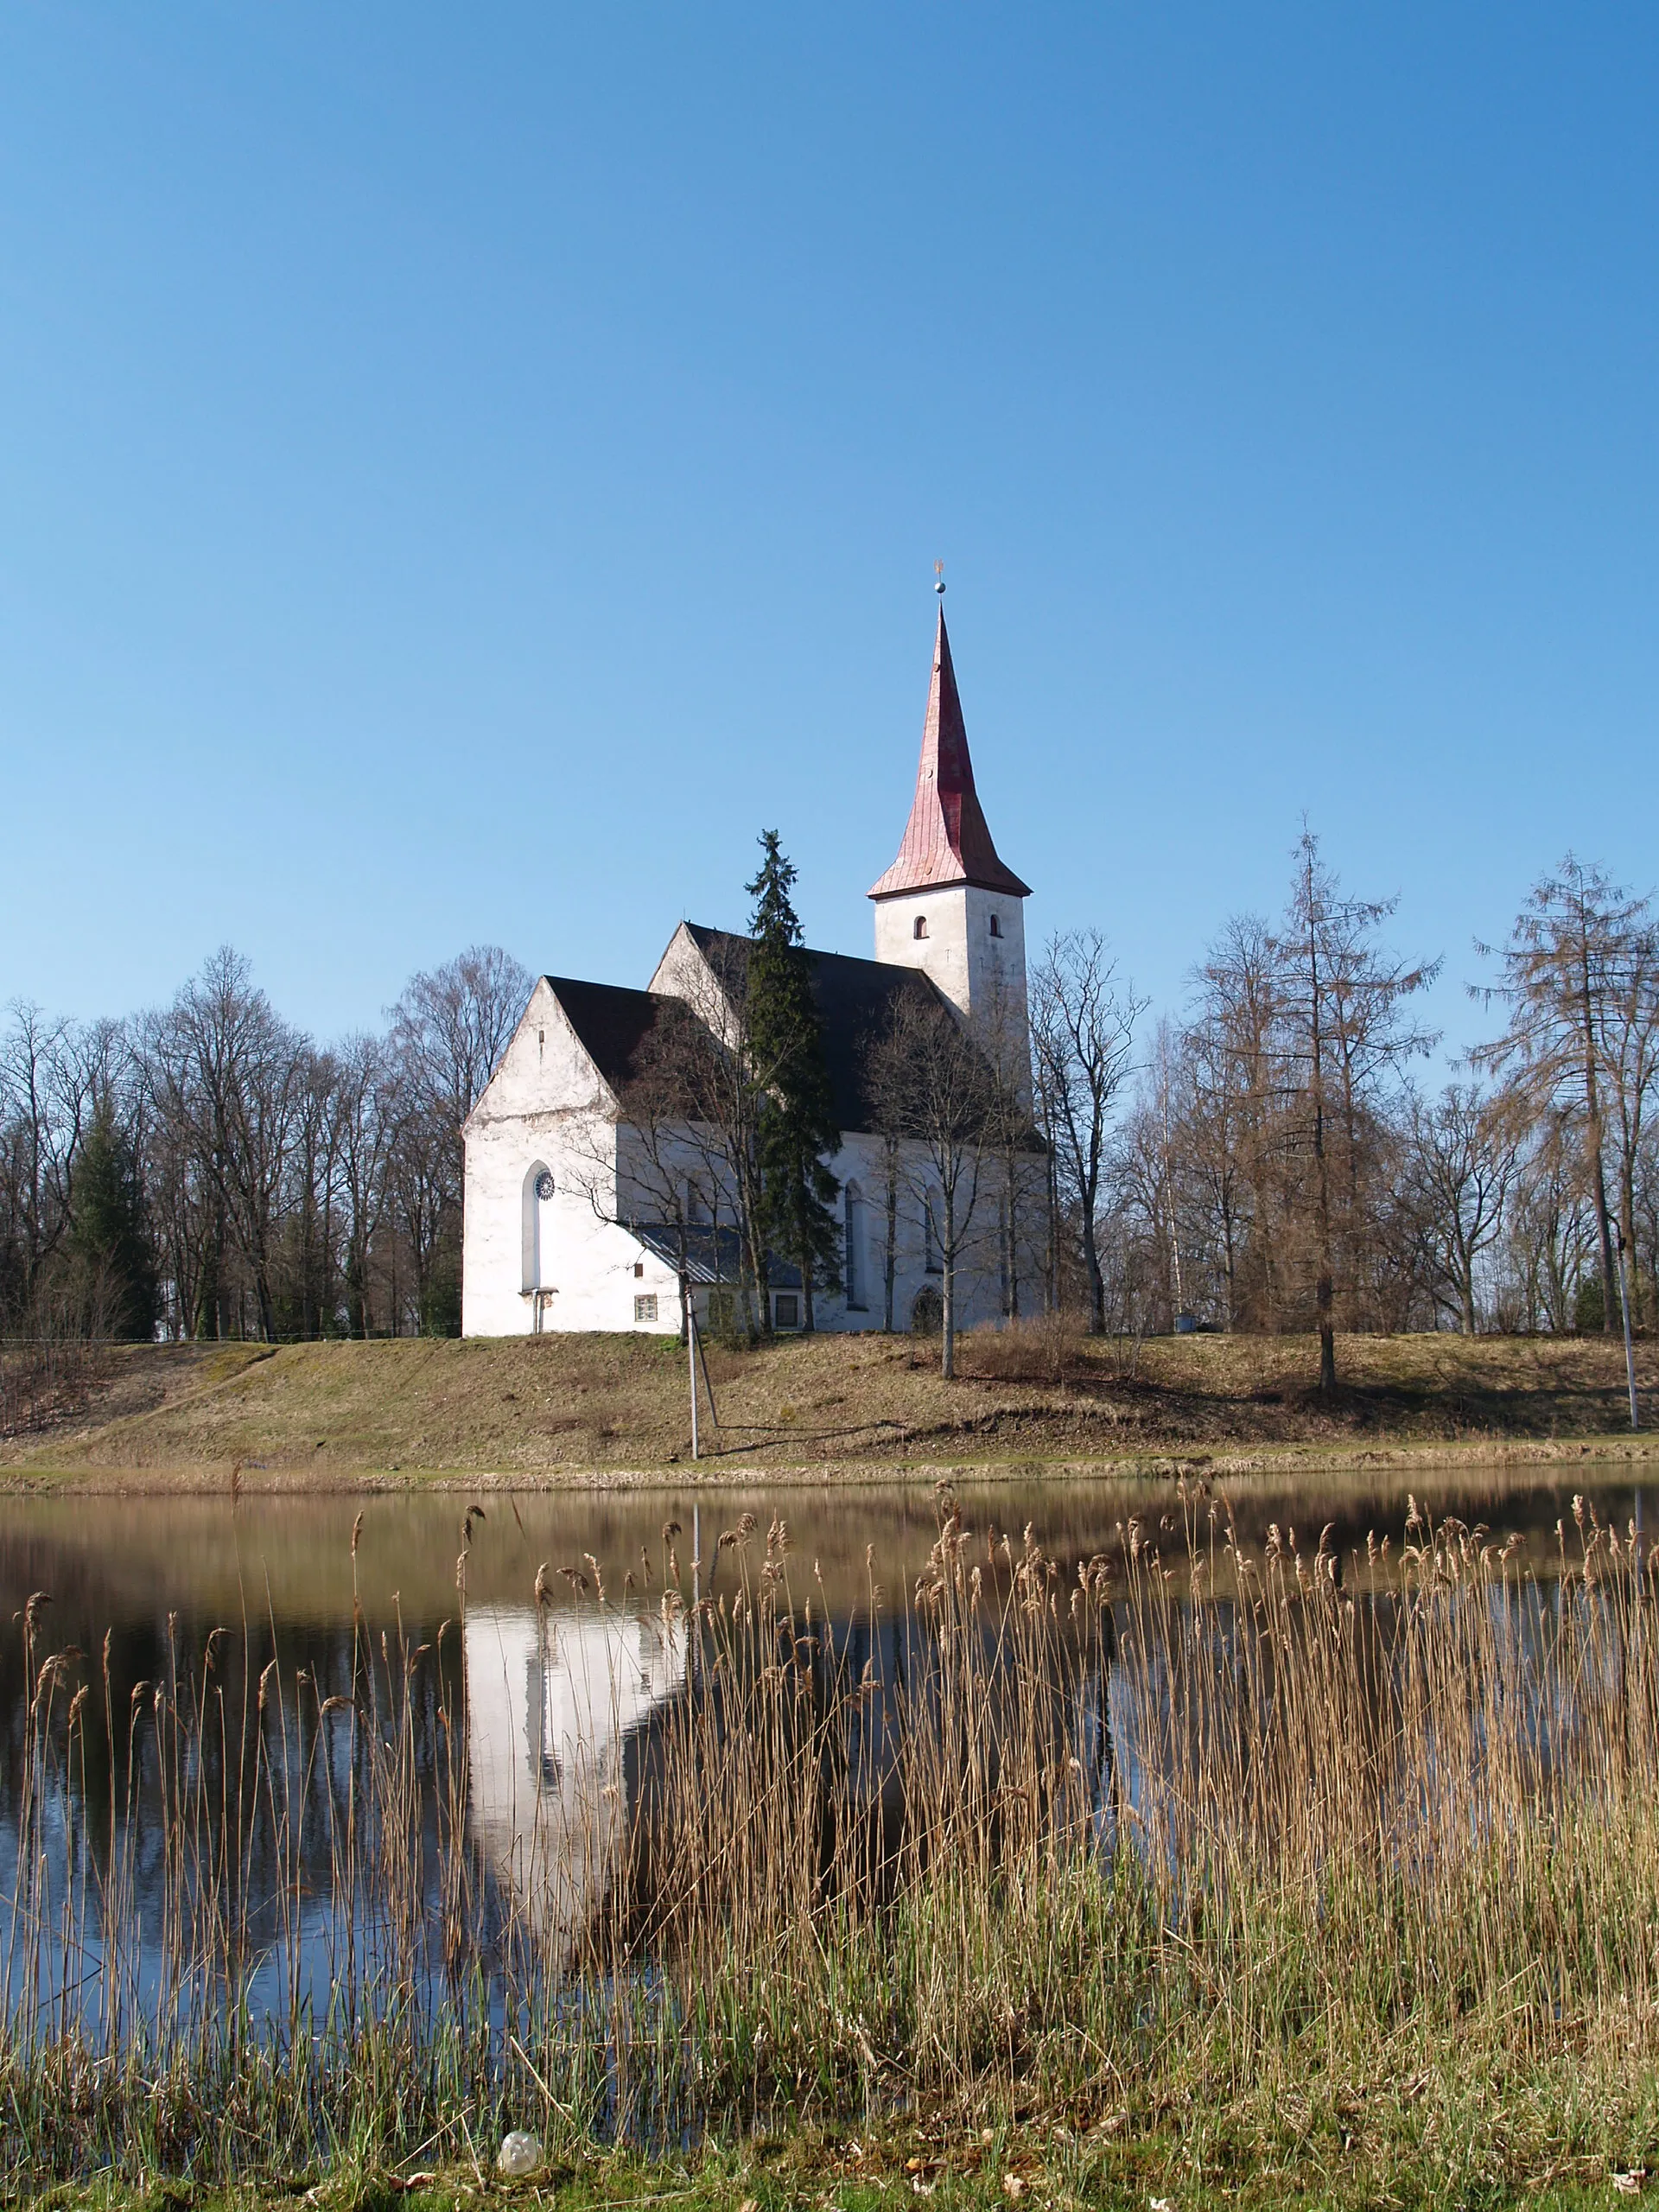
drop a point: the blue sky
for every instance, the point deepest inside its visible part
(463, 472)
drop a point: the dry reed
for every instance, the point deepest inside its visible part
(1286, 1854)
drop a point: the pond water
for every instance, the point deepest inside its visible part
(286, 1564)
(269, 1631)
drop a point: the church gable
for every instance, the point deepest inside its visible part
(577, 1048)
(616, 1027)
(516, 1071)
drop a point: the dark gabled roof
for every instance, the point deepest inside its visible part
(855, 999)
(612, 1024)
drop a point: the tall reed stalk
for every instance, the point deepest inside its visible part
(1269, 1849)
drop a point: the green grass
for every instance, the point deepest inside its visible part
(954, 2170)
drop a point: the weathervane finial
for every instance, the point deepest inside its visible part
(938, 578)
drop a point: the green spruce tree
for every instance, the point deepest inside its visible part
(795, 1131)
(112, 1271)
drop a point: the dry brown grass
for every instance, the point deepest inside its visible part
(573, 1408)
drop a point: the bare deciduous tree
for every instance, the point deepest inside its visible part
(936, 1088)
(364, 1117)
(448, 1030)
(224, 1074)
(48, 1072)
(1465, 1151)
(1082, 1035)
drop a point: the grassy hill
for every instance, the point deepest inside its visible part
(570, 1408)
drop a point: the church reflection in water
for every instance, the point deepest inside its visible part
(557, 1705)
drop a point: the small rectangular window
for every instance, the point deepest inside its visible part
(645, 1309)
(787, 1310)
(639, 1267)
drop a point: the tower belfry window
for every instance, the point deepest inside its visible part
(996, 926)
(921, 929)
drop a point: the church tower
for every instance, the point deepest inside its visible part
(948, 905)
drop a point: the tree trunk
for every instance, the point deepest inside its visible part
(1097, 1279)
(1324, 1287)
(1327, 1341)
(1592, 1140)
(1229, 1266)
(1013, 1236)
(760, 1303)
(809, 1318)
(890, 1258)
(1052, 1226)
(947, 1361)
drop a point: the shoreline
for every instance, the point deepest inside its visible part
(214, 1478)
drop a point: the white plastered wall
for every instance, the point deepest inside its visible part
(551, 1701)
(547, 1107)
(974, 969)
(979, 1284)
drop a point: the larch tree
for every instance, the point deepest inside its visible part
(1582, 949)
(1628, 1032)
(1341, 1005)
(1233, 1134)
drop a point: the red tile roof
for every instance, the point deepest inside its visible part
(946, 840)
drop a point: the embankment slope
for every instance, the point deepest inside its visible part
(562, 1409)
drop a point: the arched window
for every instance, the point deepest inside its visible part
(918, 928)
(852, 1261)
(996, 926)
(537, 1190)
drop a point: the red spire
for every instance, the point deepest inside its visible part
(946, 840)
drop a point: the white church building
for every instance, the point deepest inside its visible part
(564, 1227)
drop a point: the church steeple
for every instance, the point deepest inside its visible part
(947, 905)
(946, 840)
